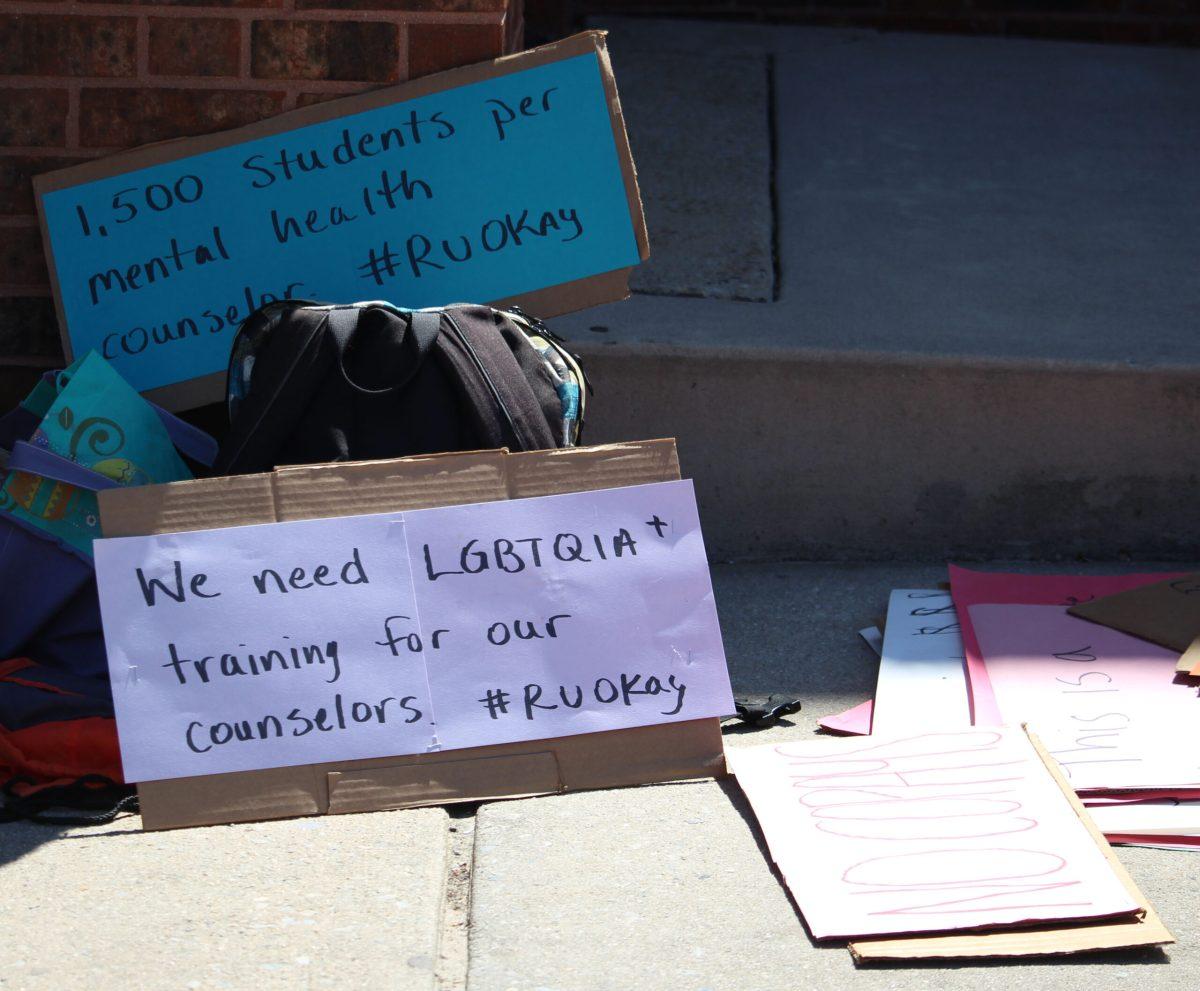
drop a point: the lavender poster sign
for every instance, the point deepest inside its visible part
(405, 633)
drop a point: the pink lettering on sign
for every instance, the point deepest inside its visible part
(925, 833)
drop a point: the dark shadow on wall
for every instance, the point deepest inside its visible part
(1079, 20)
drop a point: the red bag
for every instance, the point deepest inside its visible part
(58, 744)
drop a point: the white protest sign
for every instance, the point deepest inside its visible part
(922, 682)
(402, 633)
(1161, 817)
(925, 833)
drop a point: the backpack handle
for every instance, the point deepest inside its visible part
(36, 460)
(343, 321)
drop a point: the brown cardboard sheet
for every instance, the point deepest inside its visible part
(595, 760)
(1142, 930)
(1166, 613)
(1189, 660)
(545, 301)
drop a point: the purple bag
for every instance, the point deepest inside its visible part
(50, 611)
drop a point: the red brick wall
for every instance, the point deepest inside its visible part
(86, 78)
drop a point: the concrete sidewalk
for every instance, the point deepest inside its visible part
(330, 902)
(664, 887)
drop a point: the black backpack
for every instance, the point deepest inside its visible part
(313, 382)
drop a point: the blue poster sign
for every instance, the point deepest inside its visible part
(480, 192)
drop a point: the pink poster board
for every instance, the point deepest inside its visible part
(852, 722)
(969, 588)
(1105, 705)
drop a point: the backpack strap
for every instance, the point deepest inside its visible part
(426, 325)
(297, 364)
(422, 330)
(90, 800)
(36, 460)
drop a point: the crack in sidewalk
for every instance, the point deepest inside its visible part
(453, 942)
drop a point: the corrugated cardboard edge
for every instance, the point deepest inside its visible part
(616, 759)
(642, 755)
(347, 488)
(369, 789)
(1050, 940)
(550, 301)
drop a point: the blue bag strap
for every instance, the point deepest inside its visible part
(38, 461)
(192, 441)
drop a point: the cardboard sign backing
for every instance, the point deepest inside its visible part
(501, 182)
(616, 758)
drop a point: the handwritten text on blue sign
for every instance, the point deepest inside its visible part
(476, 193)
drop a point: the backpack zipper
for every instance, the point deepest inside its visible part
(557, 341)
(462, 339)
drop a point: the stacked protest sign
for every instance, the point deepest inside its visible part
(1004, 649)
(940, 844)
(910, 824)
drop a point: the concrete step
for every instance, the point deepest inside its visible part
(859, 455)
(968, 327)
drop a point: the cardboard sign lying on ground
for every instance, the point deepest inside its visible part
(1165, 613)
(615, 758)
(407, 633)
(926, 833)
(1143, 929)
(1105, 704)
(504, 181)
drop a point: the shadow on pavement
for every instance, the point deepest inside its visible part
(20, 838)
